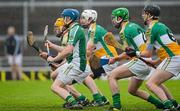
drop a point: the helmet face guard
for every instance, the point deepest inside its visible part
(88, 16)
(118, 16)
(59, 27)
(116, 23)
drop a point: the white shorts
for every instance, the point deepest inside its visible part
(139, 68)
(108, 68)
(67, 73)
(16, 60)
(171, 64)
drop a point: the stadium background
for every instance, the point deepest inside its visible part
(35, 14)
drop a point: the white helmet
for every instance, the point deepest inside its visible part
(89, 13)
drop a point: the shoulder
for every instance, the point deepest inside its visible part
(75, 30)
(100, 28)
(133, 29)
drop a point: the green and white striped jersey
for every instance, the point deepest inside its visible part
(76, 37)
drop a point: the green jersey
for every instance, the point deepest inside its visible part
(133, 36)
(96, 34)
(76, 37)
(161, 37)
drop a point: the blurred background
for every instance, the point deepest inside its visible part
(33, 15)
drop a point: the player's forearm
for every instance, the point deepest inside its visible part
(146, 53)
(121, 57)
(57, 48)
(61, 55)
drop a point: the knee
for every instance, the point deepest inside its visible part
(132, 91)
(53, 87)
(110, 77)
(149, 85)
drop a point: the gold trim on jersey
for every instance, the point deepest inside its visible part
(102, 52)
(174, 47)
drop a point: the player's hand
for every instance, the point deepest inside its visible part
(48, 43)
(50, 59)
(112, 60)
(130, 52)
(43, 55)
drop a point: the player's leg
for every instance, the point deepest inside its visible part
(58, 88)
(133, 89)
(168, 68)
(70, 88)
(89, 82)
(154, 82)
(64, 78)
(118, 73)
(170, 96)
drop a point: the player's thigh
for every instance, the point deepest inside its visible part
(57, 83)
(159, 77)
(120, 72)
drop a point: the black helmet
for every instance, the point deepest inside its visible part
(154, 10)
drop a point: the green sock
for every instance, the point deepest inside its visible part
(116, 101)
(167, 104)
(97, 97)
(155, 101)
(82, 97)
(104, 98)
(70, 99)
(175, 103)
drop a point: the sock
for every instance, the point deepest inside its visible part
(116, 101)
(104, 99)
(82, 98)
(97, 97)
(156, 102)
(70, 99)
(168, 104)
(175, 103)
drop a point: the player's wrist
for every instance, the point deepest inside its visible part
(138, 54)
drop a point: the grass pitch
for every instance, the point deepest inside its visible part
(36, 96)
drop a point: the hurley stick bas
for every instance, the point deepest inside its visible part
(32, 42)
(110, 40)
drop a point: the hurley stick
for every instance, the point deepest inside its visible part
(110, 40)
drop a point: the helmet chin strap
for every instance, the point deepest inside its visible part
(67, 25)
(146, 21)
(118, 24)
(64, 30)
(86, 26)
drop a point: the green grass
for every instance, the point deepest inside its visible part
(36, 96)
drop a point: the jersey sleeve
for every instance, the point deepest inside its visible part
(74, 36)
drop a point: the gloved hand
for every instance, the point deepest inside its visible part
(130, 52)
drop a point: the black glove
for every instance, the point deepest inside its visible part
(130, 52)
